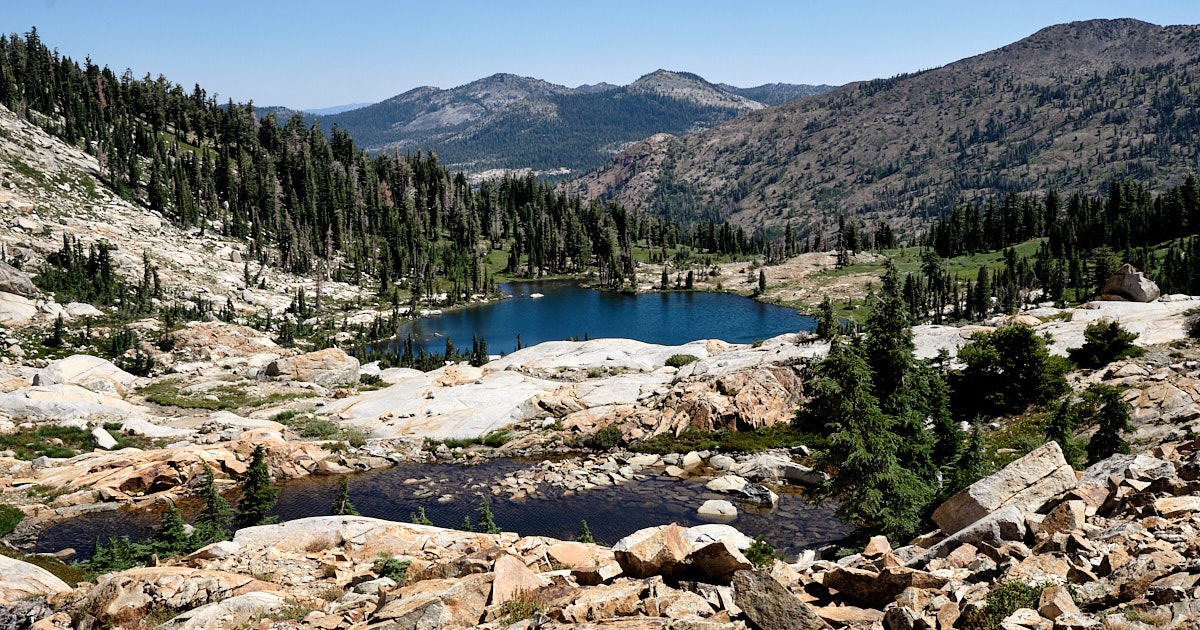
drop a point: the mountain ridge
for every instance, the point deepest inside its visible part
(901, 149)
(511, 122)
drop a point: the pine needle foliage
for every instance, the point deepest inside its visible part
(258, 494)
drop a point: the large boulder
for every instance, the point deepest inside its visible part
(15, 281)
(128, 595)
(771, 468)
(93, 373)
(1027, 483)
(233, 612)
(439, 603)
(770, 606)
(1007, 523)
(1129, 285)
(15, 309)
(21, 580)
(652, 551)
(328, 368)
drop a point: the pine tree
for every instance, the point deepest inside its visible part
(827, 322)
(258, 495)
(585, 533)
(1110, 412)
(172, 537)
(972, 464)
(1060, 427)
(419, 518)
(210, 525)
(342, 505)
(762, 282)
(487, 522)
(662, 284)
(875, 492)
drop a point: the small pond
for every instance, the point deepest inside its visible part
(611, 512)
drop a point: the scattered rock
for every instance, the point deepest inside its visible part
(769, 606)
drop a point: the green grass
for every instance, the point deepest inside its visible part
(495, 439)
(319, 428)
(30, 444)
(761, 439)
(227, 397)
(10, 517)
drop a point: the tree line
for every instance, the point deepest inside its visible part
(308, 201)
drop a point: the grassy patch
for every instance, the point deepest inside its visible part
(56, 441)
(222, 398)
(320, 428)
(777, 436)
(680, 360)
(495, 439)
(10, 517)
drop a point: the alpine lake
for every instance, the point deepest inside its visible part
(537, 311)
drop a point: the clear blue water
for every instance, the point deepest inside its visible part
(569, 310)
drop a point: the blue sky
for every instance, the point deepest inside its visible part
(316, 53)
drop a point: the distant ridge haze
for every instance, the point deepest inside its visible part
(509, 122)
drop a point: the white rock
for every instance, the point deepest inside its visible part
(103, 439)
(717, 508)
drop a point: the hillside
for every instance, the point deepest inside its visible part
(776, 93)
(1072, 106)
(508, 122)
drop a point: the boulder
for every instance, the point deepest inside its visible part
(717, 509)
(232, 612)
(328, 368)
(621, 598)
(15, 281)
(103, 439)
(129, 594)
(1004, 524)
(652, 551)
(771, 468)
(84, 369)
(1067, 516)
(769, 606)
(718, 561)
(712, 532)
(1056, 600)
(1129, 285)
(727, 483)
(1027, 483)
(879, 589)
(453, 603)
(15, 309)
(21, 580)
(1170, 507)
(513, 577)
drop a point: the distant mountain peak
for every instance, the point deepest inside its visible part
(690, 87)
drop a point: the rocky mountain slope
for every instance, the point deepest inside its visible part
(510, 122)
(1072, 106)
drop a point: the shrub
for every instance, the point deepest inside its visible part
(760, 553)
(389, 567)
(523, 605)
(370, 380)
(1006, 598)
(680, 360)
(1006, 371)
(606, 438)
(585, 533)
(10, 517)
(1192, 326)
(419, 518)
(1104, 342)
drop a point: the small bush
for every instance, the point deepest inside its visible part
(1192, 326)
(389, 567)
(496, 439)
(1104, 342)
(10, 517)
(606, 438)
(680, 360)
(523, 605)
(761, 554)
(371, 380)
